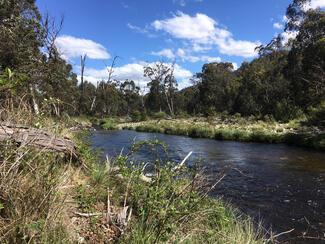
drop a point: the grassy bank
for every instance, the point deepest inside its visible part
(46, 197)
(237, 129)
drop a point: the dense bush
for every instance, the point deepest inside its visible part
(159, 115)
(108, 124)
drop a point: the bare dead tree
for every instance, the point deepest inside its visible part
(169, 87)
(82, 84)
(142, 93)
(92, 106)
(82, 67)
(51, 29)
(110, 69)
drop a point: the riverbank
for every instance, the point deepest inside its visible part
(236, 129)
(47, 197)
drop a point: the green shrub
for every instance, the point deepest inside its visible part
(108, 124)
(264, 136)
(316, 115)
(210, 119)
(138, 116)
(201, 132)
(150, 128)
(211, 111)
(241, 135)
(180, 130)
(306, 140)
(171, 209)
(159, 115)
(285, 111)
(224, 134)
(183, 114)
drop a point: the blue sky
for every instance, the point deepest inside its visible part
(191, 32)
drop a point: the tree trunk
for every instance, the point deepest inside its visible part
(34, 103)
(37, 138)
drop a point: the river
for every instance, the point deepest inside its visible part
(282, 186)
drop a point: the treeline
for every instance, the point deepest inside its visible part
(286, 80)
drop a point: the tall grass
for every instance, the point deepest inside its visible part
(237, 129)
(30, 195)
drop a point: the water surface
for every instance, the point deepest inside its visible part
(282, 185)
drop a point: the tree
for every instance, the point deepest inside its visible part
(21, 36)
(218, 87)
(131, 97)
(108, 99)
(82, 107)
(162, 87)
(304, 68)
(27, 46)
(306, 61)
(263, 88)
(59, 82)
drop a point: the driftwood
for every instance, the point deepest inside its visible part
(27, 136)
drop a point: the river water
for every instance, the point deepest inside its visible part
(282, 186)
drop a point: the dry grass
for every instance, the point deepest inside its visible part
(31, 198)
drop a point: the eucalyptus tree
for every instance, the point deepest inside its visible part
(130, 96)
(218, 87)
(162, 87)
(306, 60)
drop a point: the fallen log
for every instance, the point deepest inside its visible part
(28, 136)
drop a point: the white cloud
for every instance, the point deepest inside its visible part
(181, 52)
(184, 2)
(235, 65)
(183, 55)
(313, 4)
(240, 48)
(182, 74)
(285, 19)
(199, 28)
(184, 84)
(72, 47)
(141, 30)
(168, 53)
(180, 2)
(137, 28)
(210, 59)
(133, 71)
(201, 31)
(278, 26)
(201, 48)
(288, 35)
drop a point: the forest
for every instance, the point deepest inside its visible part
(284, 82)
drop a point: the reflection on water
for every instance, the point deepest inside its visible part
(282, 185)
